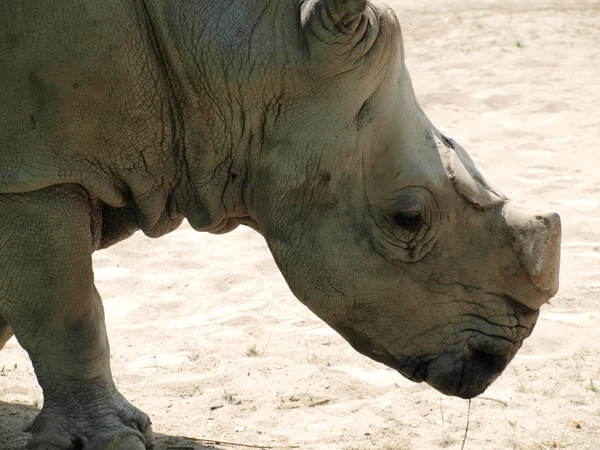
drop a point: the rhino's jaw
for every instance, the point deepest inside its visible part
(465, 369)
(470, 372)
(465, 374)
(469, 375)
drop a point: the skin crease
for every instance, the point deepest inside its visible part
(296, 118)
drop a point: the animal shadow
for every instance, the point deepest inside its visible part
(14, 418)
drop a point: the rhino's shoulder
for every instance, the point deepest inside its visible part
(84, 101)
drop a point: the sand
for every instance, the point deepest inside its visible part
(208, 340)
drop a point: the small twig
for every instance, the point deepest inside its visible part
(267, 344)
(562, 436)
(237, 444)
(521, 382)
(577, 424)
(542, 446)
(467, 428)
(443, 421)
(502, 402)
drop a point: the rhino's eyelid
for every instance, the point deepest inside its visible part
(412, 223)
(391, 233)
(421, 232)
(418, 235)
(391, 216)
(425, 246)
(400, 244)
(393, 240)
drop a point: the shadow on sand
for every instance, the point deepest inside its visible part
(14, 418)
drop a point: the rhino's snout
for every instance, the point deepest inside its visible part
(538, 247)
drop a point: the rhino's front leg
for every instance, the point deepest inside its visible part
(47, 295)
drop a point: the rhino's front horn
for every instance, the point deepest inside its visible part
(536, 241)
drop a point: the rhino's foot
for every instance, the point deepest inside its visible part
(101, 424)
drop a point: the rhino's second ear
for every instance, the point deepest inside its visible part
(332, 16)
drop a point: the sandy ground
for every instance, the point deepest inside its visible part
(207, 339)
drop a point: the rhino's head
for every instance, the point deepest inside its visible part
(381, 225)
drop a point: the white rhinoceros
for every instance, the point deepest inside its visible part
(294, 117)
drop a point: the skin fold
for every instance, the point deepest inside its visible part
(294, 117)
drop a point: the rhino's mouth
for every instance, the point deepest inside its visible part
(467, 375)
(464, 374)
(464, 370)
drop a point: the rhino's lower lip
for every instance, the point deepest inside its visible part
(469, 374)
(469, 368)
(413, 370)
(475, 370)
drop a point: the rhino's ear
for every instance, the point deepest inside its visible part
(344, 12)
(336, 18)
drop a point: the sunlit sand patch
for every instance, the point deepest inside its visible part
(580, 244)
(554, 107)
(593, 255)
(568, 317)
(578, 203)
(564, 140)
(539, 170)
(160, 360)
(318, 330)
(534, 153)
(526, 180)
(110, 272)
(203, 318)
(374, 377)
(541, 356)
(116, 310)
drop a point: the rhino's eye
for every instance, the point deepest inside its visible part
(407, 225)
(408, 220)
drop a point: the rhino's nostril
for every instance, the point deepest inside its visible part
(77, 444)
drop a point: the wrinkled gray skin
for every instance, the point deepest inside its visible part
(294, 117)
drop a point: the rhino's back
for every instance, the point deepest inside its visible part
(81, 96)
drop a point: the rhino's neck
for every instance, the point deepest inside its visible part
(228, 60)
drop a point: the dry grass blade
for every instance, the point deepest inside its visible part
(467, 427)
(239, 444)
(502, 402)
